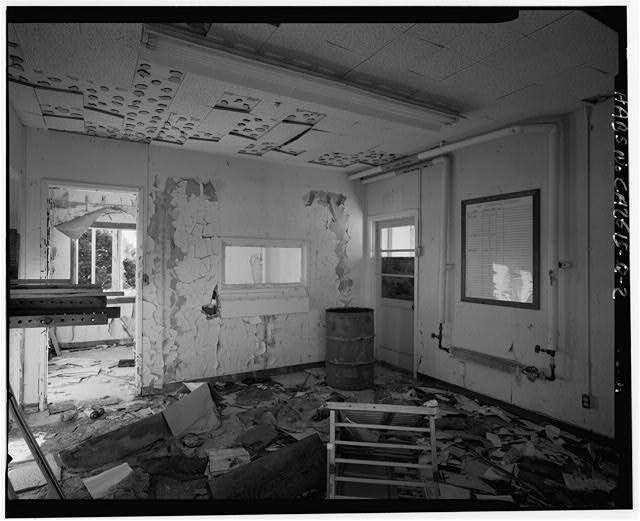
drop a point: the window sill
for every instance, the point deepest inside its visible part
(245, 302)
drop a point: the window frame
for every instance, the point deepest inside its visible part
(535, 195)
(102, 225)
(242, 300)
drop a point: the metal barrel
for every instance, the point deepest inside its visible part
(349, 354)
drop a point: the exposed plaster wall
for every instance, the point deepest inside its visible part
(508, 165)
(238, 198)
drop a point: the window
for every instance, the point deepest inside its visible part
(397, 259)
(500, 249)
(106, 255)
(263, 276)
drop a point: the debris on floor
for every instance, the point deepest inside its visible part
(242, 439)
(285, 474)
(100, 484)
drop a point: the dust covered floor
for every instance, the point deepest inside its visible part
(90, 374)
(484, 452)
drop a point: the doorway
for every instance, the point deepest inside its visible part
(395, 283)
(92, 238)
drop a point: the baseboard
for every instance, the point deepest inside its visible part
(172, 387)
(527, 414)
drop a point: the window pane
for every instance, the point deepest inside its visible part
(104, 249)
(402, 238)
(84, 258)
(398, 265)
(384, 238)
(128, 259)
(262, 265)
(397, 287)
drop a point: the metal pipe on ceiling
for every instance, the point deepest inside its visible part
(415, 159)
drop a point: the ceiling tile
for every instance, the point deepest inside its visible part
(248, 37)
(219, 122)
(62, 123)
(199, 90)
(439, 34)
(530, 20)
(529, 61)
(102, 118)
(306, 46)
(104, 52)
(582, 82)
(444, 63)
(64, 103)
(24, 101)
(583, 39)
(404, 53)
(363, 39)
(477, 41)
(480, 84)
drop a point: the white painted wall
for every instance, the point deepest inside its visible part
(16, 220)
(512, 164)
(255, 199)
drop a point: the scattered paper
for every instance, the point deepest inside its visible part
(221, 460)
(494, 439)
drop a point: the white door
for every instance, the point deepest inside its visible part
(395, 280)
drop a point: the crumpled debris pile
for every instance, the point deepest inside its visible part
(484, 452)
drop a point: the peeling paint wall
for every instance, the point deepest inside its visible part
(339, 226)
(227, 197)
(192, 200)
(181, 267)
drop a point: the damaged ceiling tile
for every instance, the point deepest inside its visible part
(237, 102)
(102, 118)
(26, 104)
(306, 117)
(60, 102)
(62, 123)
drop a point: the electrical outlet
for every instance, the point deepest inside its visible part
(586, 401)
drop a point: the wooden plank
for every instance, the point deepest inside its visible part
(381, 407)
(38, 456)
(382, 463)
(54, 340)
(115, 445)
(285, 474)
(124, 342)
(383, 427)
(434, 445)
(381, 445)
(403, 483)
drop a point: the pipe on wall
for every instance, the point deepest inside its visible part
(445, 198)
(553, 129)
(427, 157)
(377, 173)
(587, 213)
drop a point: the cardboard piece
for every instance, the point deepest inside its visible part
(194, 413)
(100, 484)
(447, 491)
(494, 439)
(471, 482)
(222, 460)
(27, 475)
(258, 438)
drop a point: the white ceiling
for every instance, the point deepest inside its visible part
(114, 80)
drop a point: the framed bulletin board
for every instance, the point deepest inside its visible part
(501, 250)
